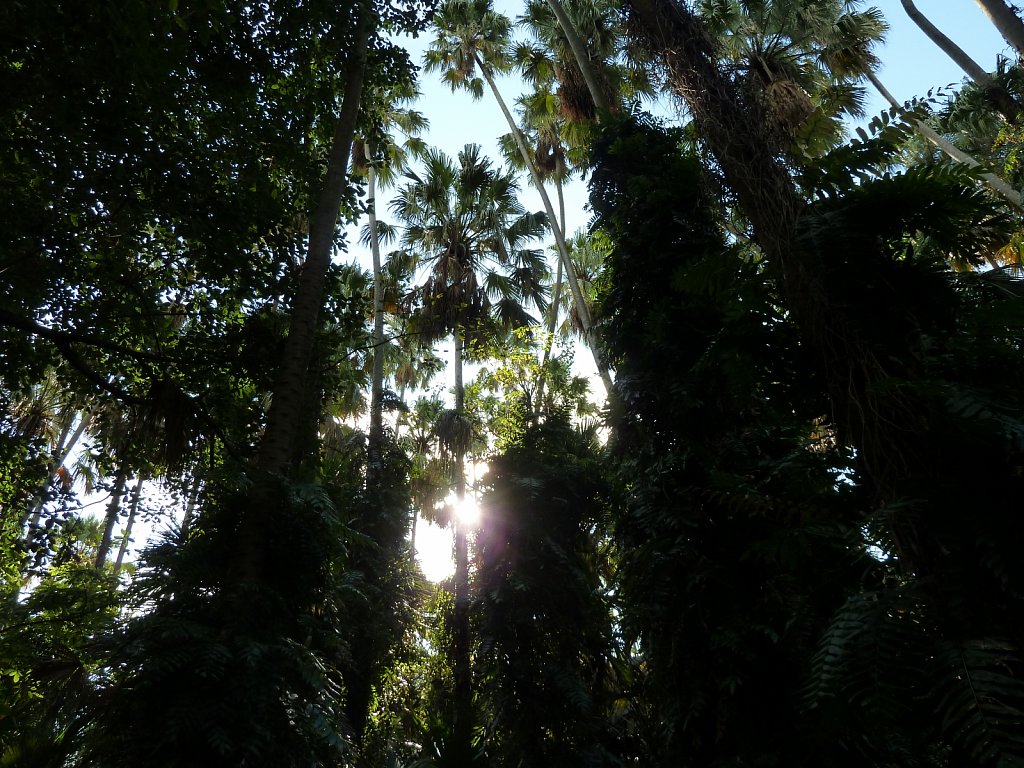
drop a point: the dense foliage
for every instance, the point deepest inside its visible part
(788, 538)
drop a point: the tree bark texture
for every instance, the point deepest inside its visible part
(61, 452)
(556, 297)
(113, 509)
(461, 672)
(376, 434)
(132, 514)
(285, 419)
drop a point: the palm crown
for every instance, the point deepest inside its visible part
(466, 226)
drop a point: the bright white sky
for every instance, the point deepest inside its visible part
(911, 66)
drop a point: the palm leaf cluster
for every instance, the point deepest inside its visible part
(465, 225)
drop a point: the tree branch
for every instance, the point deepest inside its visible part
(14, 320)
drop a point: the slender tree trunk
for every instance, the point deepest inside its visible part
(563, 248)
(993, 182)
(190, 507)
(463, 729)
(556, 298)
(412, 535)
(582, 56)
(376, 434)
(1006, 21)
(132, 513)
(113, 509)
(60, 454)
(285, 415)
(1000, 98)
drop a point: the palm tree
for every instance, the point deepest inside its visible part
(996, 184)
(589, 81)
(803, 58)
(385, 159)
(582, 57)
(1001, 99)
(472, 38)
(1006, 20)
(468, 230)
(543, 129)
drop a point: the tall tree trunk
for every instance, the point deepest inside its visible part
(113, 509)
(556, 298)
(285, 417)
(412, 535)
(735, 130)
(285, 414)
(190, 509)
(993, 182)
(890, 433)
(132, 513)
(563, 248)
(582, 56)
(1005, 19)
(61, 452)
(997, 95)
(463, 727)
(376, 434)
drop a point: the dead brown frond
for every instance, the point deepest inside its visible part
(574, 100)
(788, 105)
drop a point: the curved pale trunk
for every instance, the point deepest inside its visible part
(998, 95)
(463, 729)
(993, 182)
(376, 434)
(556, 297)
(563, 249)
(1006, 21)
(61, 452)
(286, 409)
(582, 56)
(113, 509)
(190, 507)
(132, 513)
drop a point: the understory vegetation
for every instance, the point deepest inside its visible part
(779, 526)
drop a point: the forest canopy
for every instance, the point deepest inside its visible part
(258, 337)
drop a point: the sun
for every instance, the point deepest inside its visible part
(466, 511)
(434, 544)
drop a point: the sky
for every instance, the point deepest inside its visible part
(911, 65)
